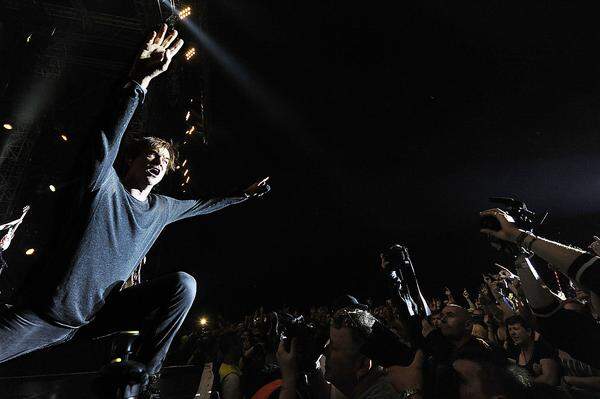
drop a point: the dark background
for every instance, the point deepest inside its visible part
(377, 124)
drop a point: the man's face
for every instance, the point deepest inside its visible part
(342, 359)
(149, 167)
(518, 334)
(454, 322)
(436, 320)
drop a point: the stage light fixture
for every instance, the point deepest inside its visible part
(52, 188)
(187, 115)
(28, 38)
(30, 251)
(190, 53)
(187, 180)
(203, 321)
(184, 162)
(185, 12)
(186, 172)
(64, 137)
(7, 126)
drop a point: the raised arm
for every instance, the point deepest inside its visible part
(578, 265)
(15, 223)
(154, 58)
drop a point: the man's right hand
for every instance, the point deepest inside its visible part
(287, 361)
(595, 245)
(507, 232)
(156, 56)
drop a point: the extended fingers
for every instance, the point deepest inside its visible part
(173, 49)
(170, 38)
(492, 212)
(151, 38)
(158, 39)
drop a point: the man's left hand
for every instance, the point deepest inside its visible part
(411, 377)
(156, 55)
(258, 189)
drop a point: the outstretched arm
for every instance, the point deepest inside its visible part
(182, 209)
(154, 59)
(11, 228)
(15, 223)
(578, 265)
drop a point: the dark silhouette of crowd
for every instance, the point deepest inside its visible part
(512, 338)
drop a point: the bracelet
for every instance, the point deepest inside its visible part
(411, 391)
(521, 238)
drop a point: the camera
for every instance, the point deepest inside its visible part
(400, 271)
(309, 340)
(519, 215)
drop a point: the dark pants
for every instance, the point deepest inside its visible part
(156, 308)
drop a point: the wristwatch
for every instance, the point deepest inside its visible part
(410, 392)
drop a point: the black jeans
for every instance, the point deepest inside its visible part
(156, 308)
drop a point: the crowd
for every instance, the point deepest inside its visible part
(514, 338)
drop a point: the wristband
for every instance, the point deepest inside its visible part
(528, 245)
(411, 391)
(521, 239)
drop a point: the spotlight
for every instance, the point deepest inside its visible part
(52, 188)
(187, 116)
(30, 251)
(186, 172)
(203, 321)
(185, 12)
(187, 180)
(28, 38)
(190, 53)
(184, 162)
(7, 126)
(64, 137)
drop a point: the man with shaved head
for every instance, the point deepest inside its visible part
(455, 337)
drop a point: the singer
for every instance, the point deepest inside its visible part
(117, 223)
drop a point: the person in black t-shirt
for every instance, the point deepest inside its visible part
(536, 356)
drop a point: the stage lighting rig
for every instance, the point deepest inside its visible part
(190, 53)
(185, 12)
(7, 126)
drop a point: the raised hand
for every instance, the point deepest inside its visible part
(156, 55)
(258, 189)
(595, 245)
(410, 377)
(508, 231)
(288, 360)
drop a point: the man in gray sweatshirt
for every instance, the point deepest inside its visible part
(119, 220)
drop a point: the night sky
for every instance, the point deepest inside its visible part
(380, 125)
